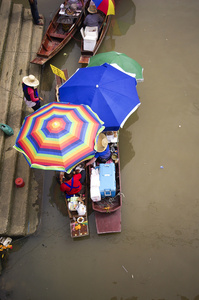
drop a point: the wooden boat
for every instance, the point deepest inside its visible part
(60, 31)
(78, 223)
(108, 210)
(85, 55)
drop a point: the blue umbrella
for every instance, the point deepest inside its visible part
(110, 93)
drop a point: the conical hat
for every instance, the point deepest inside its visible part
(92, 9)
(102, 142)
(30, 80)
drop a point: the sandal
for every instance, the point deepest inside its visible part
(40, 23)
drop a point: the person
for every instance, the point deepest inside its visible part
(31, 98)
(35, 14)
(93, 18)
(103, 153)
(72, 183)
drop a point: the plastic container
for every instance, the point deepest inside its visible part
(89, 43)
(91, 31)
(107, 180)
(19, 182)
(6, 129)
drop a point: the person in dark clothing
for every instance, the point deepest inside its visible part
(35, 14)
(31, 98)
(103, 153)
(93, 18)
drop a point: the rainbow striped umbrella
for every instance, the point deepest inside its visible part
(58, 136)
(106, 6)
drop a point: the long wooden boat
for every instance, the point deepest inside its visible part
(60, 31)
(78, 223)
(108, 210)
(85, 55)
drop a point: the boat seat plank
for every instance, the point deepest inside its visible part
(48, 36)
(45, 44)
(57, 35)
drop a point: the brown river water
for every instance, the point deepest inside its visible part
(156, 256)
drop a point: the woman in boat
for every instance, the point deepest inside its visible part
(93, 18)
(31, 97)
(72, 183)
(103, 153)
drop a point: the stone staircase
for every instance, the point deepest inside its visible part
(20, 39)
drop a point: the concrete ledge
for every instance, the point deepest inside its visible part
(7, 171)
(19, 207)
(8, 67)
(5, 10)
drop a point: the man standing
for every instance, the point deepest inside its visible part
(35, 14)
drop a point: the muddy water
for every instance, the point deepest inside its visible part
(156, 254)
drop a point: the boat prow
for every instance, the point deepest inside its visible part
(84, 59)
(39, 60)
(108, 223)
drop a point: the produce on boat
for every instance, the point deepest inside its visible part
(77, 208)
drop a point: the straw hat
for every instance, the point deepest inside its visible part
(102, 142)
(92, 9)
(31, 80)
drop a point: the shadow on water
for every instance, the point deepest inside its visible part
(124, 17)
(56, 197)
(120, 23)
(126, 141)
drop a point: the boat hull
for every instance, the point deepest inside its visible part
(108, 210)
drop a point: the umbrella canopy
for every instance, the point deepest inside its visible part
(106, 6)
(111, 93)
(120, 61)
(59, 136)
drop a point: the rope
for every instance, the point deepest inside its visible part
(76, 39)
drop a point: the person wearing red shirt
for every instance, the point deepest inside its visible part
(72, 183)
(31, 98)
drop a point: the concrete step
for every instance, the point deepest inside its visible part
(19, 207)
(24, 217)
(5, 10)
(8, 66)
(18, 211)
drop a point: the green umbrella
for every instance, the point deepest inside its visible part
(120, 61)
